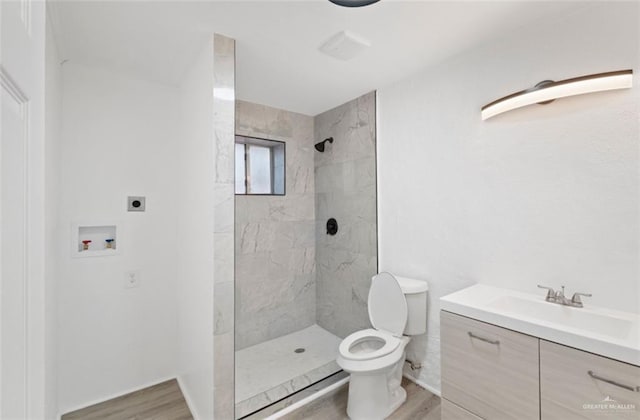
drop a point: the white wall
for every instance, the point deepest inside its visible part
(53, 126)
(119, 138)
(542, 195)
(195, 236)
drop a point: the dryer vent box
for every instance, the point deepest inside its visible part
(135, 203)
(345, 45)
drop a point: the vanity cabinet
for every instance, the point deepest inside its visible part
(489, 371)
(493, 373)
(450, 411)
(576, 385)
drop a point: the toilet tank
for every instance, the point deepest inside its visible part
(415, 292)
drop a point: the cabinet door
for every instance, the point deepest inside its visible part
(450, 411)
(490, 371)
(576, 385)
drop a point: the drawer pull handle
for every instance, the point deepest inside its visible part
(486, 340)
(612, 382)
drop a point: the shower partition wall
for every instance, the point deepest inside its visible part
(299, 291)
(345, 189)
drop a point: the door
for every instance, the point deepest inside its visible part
(21, 209)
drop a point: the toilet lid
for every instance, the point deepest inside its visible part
(387, 305)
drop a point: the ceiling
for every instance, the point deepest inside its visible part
(278, 62)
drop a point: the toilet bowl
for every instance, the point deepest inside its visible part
(370, 350)
(374, 357)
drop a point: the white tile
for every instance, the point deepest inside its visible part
(265, 371)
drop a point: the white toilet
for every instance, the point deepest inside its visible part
(374, 357)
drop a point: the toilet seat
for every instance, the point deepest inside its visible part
(387, 305)
(388, 314)
(374, 357)
(390, 344)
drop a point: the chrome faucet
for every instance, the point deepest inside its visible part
(559, 297)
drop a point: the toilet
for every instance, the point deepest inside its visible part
(374, 357)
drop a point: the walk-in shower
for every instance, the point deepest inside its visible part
(301, 287)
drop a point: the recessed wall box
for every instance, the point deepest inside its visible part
(94, 239)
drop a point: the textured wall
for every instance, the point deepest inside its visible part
(540, 195)
(275, 240)
(345, 187)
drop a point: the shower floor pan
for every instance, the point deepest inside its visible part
(275, 369)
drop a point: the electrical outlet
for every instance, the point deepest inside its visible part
(131, 279)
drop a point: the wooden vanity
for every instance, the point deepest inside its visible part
(495, 373)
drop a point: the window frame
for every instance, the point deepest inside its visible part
(271, 145)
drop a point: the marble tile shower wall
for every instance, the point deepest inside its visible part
(345, 188)
(224, 68)
(275, 238)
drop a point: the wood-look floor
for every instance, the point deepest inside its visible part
(166, 402)
(163, 401)
(420, 405)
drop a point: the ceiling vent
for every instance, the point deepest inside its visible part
(345, 45)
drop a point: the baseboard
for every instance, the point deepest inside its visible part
(423, 385)
(116, 395)
(187, 398)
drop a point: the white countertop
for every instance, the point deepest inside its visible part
(602, 331)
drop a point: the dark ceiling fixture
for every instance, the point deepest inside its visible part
(353, 3)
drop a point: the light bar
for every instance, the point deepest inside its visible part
(548, 91)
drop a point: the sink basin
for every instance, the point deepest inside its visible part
(602, 331)
(579, 318)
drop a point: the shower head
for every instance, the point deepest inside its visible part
(320, 146)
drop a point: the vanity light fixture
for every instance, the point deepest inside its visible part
(548, 90)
